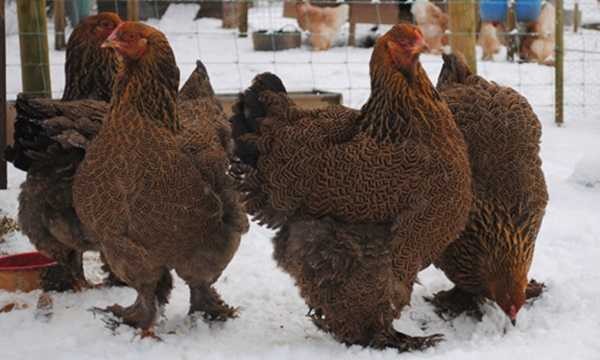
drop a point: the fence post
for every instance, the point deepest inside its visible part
(133, 10)
(33, 43)
(559, 53)
(3, 177)
(243, 20)
(59, 24)
(462, 29)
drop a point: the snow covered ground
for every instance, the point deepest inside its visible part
(563, 324)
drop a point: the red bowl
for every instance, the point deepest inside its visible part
(22, 271)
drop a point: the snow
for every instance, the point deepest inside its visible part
(563, 323)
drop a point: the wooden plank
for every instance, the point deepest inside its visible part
(374, 13)
(463, 25)
(366, 13)
(33, 43)
(3, 122)
(303, 99)
(59, 25)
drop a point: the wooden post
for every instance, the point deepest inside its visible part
(231, 14)
(59, 25)
(3, 177)
(33, 43)
(462, 29)
(511, 37)
(576, 18)
(352, 28)
(559, 64)
(133, 10)
(243, 21)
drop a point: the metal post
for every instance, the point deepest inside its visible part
(3, 177)
(559, 64)
(576, 18)
(462, 29)
(59, 24)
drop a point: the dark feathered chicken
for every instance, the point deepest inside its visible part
(362, 200)
(45, 212)
(153, 188)
(89, 70)
(492, 256)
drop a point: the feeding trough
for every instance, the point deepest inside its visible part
(282, 39)
(23, 271)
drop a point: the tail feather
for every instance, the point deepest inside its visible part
(455, 70)
(247, 113)
(45, 130)
(197, 86)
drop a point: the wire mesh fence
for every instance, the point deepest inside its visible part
(196, 30)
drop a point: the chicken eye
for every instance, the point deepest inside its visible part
(129, 37)
(106, 24)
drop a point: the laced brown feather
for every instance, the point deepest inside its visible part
(89, 69)
(153, 188)
(362, 200)
(492, 256)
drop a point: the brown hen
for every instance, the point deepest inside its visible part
(362, 200)
(89, 70)
(491, 258)
(46, 215)
(153, 188)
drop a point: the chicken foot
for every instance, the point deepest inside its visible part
(66, 275)
(403, 342)
(205, 299)
(142, 313)
(454, 302)
(111, 279)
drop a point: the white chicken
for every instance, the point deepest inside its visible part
(433, 23)
(323, 23)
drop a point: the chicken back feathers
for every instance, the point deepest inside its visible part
(492, 256)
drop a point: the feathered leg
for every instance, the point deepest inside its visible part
(205, 299)
(111, 279)
(456, 301)
(67, 274)
(152, 284)
(534, 289)
(345, 275)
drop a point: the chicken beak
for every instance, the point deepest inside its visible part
(111, 41)
(512, 314)
(421, 46)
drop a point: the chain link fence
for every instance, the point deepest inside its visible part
(196, 31)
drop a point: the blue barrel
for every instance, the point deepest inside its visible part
(528, 10)
(493, 10)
